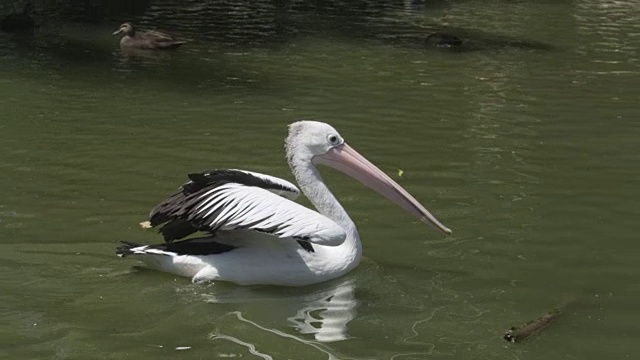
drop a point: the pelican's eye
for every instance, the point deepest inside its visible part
(333, 139)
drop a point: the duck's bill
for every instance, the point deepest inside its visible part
(346, 159)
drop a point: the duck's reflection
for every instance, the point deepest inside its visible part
(322, 311)
(142, 56)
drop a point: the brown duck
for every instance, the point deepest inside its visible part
(150, 40)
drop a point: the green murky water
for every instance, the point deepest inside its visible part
(527, 146)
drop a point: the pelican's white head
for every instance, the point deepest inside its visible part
(308, 139)
(313, 142)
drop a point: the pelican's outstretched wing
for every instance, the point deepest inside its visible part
(222, 200)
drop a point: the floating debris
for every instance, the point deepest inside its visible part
(400, 172)
(146, 225)
(515, 334)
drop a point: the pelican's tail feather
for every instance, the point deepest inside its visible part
(126, 248)
(195, 247)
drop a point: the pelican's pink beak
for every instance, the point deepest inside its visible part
(347, 160)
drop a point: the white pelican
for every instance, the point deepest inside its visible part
(256, 234)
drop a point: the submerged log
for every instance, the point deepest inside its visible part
(517, 334)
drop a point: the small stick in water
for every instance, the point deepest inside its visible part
(518, 334)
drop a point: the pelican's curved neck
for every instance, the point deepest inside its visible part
(318, 193)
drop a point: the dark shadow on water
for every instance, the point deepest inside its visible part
(469, 40)
(277, 21)
(215, 29)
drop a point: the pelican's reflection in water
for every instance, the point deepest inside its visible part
(322, 311)
(327, 313)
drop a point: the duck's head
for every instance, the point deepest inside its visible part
(126, 28)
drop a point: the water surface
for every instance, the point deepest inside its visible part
(526, 146)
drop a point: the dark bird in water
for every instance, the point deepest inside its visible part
(19, 22)
(439, 39)
(149, 40)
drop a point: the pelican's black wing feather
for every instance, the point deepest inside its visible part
(224, 200)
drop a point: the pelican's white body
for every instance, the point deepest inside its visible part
(277, 262)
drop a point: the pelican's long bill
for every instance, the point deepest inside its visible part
(344, 158)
